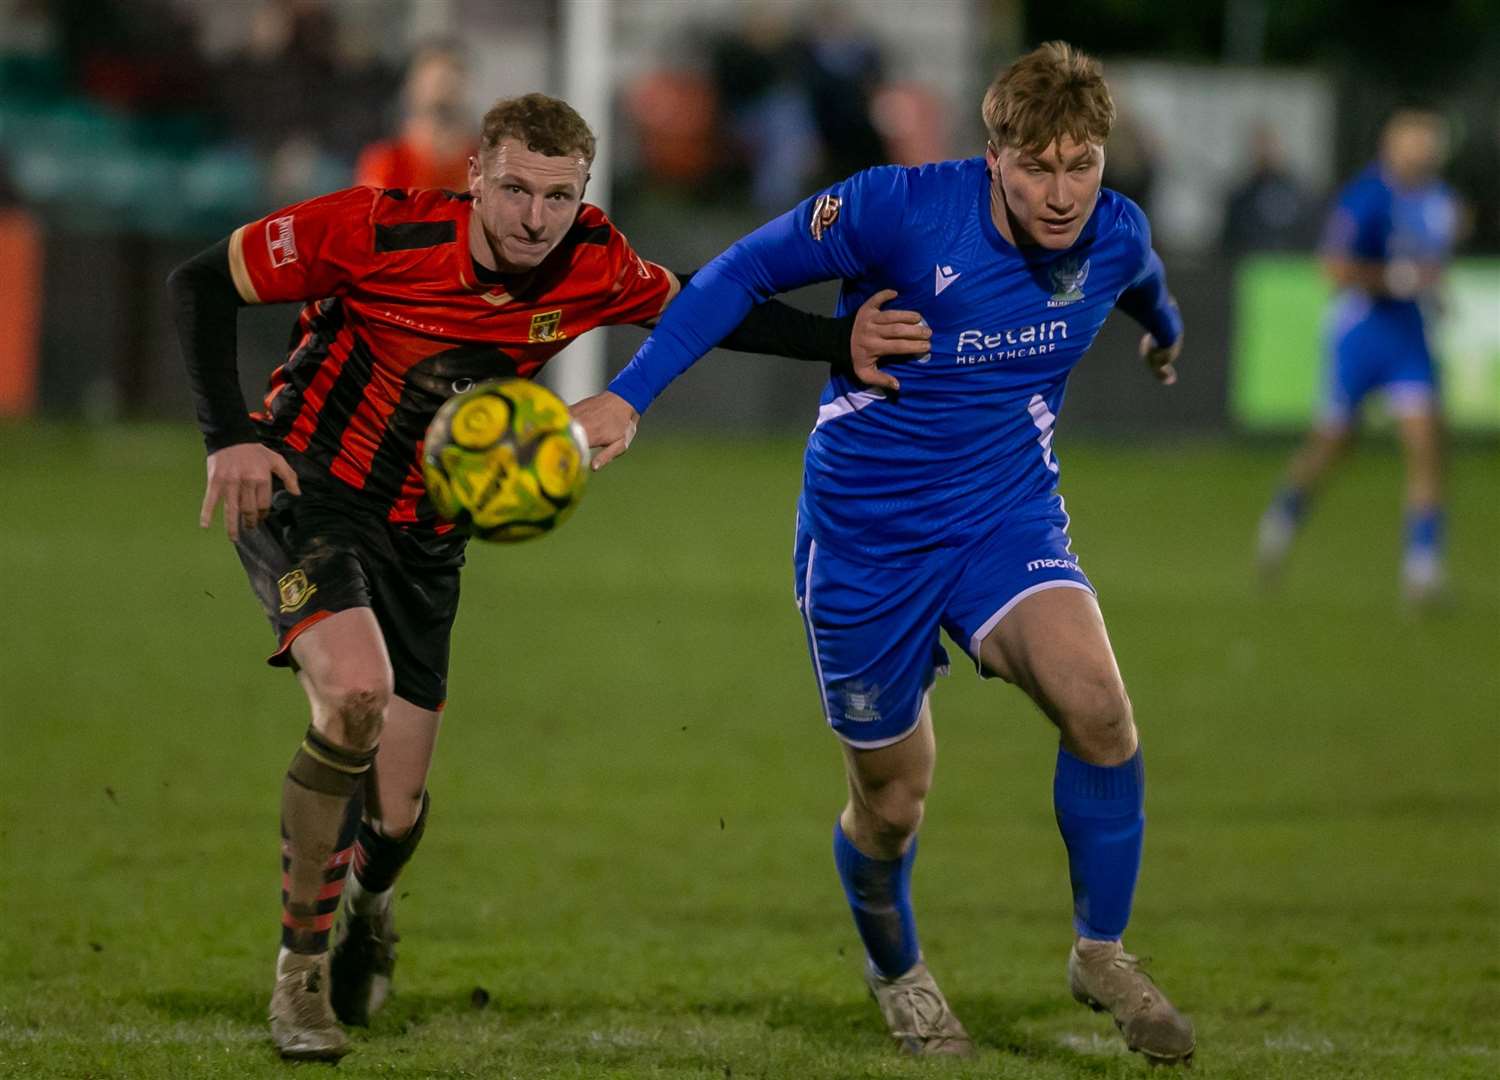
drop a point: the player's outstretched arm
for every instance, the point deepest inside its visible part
(1148, 302)
(808, 243)
(854, 344)
(205, 304)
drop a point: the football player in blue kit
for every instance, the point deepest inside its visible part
(930, 503)
(1386, 242)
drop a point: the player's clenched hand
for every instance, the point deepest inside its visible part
(609, 421)
(240, 477)
(883, 335)
(1161, 360)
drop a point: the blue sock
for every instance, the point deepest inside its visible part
(1101, 814)
(1424, 530)
(879, 892)
(1291, 502)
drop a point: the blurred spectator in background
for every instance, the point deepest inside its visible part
(8, 194)
(799, 100)
(1132, 159)
(437, 130)
(759, 74)
(136, 55)
(306, 94)
(845, 71)
(1270, 210)
(912, 119)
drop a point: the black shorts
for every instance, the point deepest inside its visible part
(325, 551)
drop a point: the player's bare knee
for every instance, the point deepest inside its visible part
(892, 813)
(1099, 722)
(360, 715)
(352, 713)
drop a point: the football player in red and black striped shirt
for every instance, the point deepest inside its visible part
(410, 297)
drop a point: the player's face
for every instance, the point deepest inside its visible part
(524, 203)
(1044, 197)
(1413, 147)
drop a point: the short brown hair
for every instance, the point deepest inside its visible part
(1051, 92)
(547, 125)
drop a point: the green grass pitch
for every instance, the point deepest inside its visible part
(629, 848)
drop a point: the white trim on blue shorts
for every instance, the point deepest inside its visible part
(1408, 397)
(812, 636)
(977, 638)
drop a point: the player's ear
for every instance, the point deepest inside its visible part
(474, 175)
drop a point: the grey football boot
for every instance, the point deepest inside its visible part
(302, 1021)
(917, 1014)
(1103, 976)
(364, 959)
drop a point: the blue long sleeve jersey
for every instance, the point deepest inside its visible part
(1377, 220)
(968, 440)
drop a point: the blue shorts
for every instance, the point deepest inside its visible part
(872, 631)
(1370, 350)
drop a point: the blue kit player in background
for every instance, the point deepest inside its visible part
(1385, 245)
(930, 503)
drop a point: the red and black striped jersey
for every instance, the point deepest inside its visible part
(397, 321)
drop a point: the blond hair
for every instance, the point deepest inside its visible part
(545, 125)
(1051, 92)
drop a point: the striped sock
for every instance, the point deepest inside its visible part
(378, 861)
(321, 803)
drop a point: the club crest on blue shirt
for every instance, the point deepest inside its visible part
(824, 213)
(1068, 276)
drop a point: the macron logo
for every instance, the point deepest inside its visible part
(1050, 564)
(943, 276)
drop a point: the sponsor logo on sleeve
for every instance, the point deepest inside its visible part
(294, 588)
(544, 326)
(824, 213)
(281, 241)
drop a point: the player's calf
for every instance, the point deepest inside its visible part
(364, 956)
(320, 812)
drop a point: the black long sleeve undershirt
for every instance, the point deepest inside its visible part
(206, 304)
(776, 329)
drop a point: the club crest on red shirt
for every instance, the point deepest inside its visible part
(544, 326)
